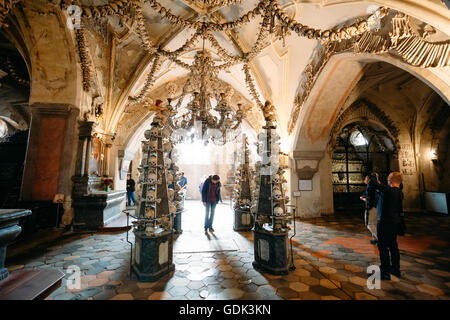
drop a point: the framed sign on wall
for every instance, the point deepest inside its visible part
(305, 185)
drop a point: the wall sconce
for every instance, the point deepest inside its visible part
(433, 155)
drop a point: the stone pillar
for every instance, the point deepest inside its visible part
(106, 158)
(81, 177)
(49, 159)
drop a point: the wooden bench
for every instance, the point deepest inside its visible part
(30, 284)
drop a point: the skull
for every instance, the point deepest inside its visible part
(175, 167)
(169, 178)
(278, 211)
(167, 162)
(172, 208)
(171, 193)
(276, 178)
(276, 193)
(153, 132)
(149, 230)
(153, 161)
(147, 134)
(153, 145)
(151, 195)
(152, 178)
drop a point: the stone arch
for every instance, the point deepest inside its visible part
(367, 112)
(327, 78)
(321, 108)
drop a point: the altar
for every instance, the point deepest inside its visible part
(94, 210)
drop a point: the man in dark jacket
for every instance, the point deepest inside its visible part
(131, 187)
(389, 208)
(210, 196)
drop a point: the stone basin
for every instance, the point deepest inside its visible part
(9, 230)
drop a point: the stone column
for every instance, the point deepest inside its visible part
(81, 177)
(50, 158)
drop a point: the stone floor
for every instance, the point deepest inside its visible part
(331, 255)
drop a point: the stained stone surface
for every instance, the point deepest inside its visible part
(331, 256)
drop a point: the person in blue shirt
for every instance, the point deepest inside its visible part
(183, 184)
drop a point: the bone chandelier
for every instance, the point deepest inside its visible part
(131, 14)
(204, 87)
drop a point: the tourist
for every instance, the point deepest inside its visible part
(370, 198)
(389, 208)
(183, 184)
(131, 185)
(210, 197)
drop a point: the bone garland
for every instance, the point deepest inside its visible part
(148, 45)
(251, 85)
(164, 12)
(6, 6)
(13, 74)
(186, 46)
(214, 3)
(114, 7)
(85, 66)
(258, 46)
(221, 51)
(149, 81)
(353, 30)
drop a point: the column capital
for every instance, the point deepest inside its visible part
(53, 109)
(85, 128)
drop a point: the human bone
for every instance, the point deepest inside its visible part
(152, 178)
(151, 195)
(276, 193)
(153, 161)
(278, 211)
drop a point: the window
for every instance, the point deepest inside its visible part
(357, 139)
